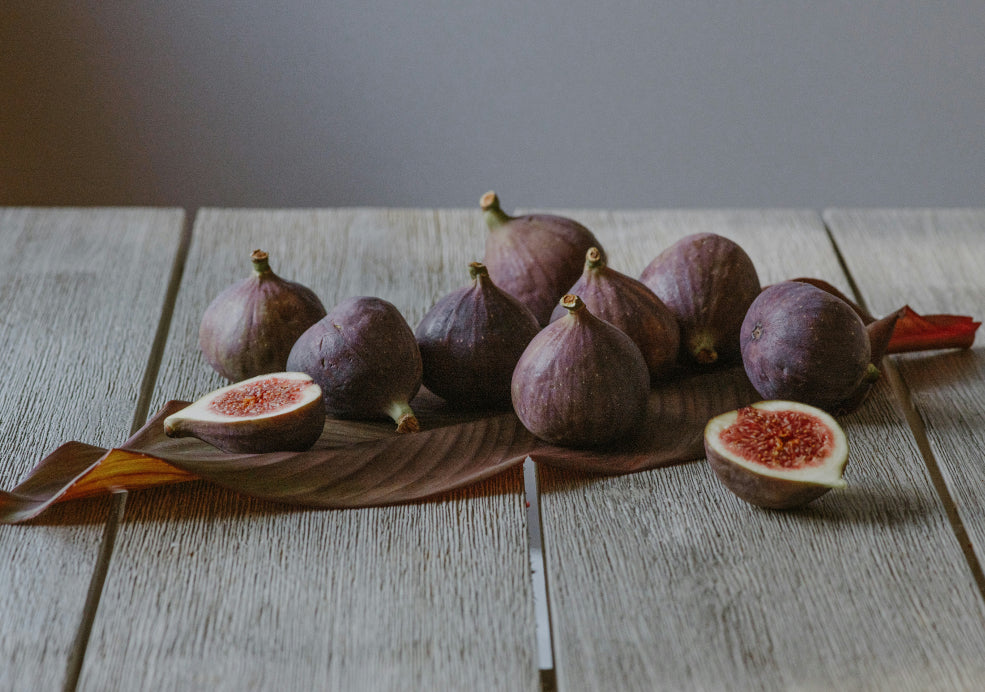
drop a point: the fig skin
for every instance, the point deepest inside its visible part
(769, 487)
(708, 282)
(629, 305)
(250, 327)
(581, 382)
(535, 258)
(471, 340)
(804, 344)
(291, 427)
(364, 357)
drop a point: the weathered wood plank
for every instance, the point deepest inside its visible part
(936, 264)
(664, 580)
(82, 292)
(210, 590)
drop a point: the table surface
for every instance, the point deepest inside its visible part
(654, 580)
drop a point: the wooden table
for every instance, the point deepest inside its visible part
(654, 580)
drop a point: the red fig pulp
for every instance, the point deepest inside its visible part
(471, 340)
(250, 327)
(802, 343)
(364, 357)
(535, 258)
(777, 454)
(629, 305)
(708, 282)
(278, 412)
(581, 382)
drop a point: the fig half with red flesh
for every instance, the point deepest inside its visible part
(279, 412)
(777, 454)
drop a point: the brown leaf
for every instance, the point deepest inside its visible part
(358, 464)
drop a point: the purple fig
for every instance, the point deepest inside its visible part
(629, 305)
(777, 454)
(581, 382)
(708, 282)
(279, 412)
(535, 258)
(364, 357)
(250, 327)
(470, 341)
(804, 344)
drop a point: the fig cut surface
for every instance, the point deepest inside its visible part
(777, 454)
(268, 413)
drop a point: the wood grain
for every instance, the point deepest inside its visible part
(82, 292)
(936, 264)
(664, 580)
(211, 590)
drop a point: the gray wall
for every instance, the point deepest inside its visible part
(432, 102)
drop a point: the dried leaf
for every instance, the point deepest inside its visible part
(365, 464)
(915, 332)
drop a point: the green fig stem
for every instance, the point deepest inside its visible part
(495, 216)
(477, 269)
(872, 373)
(572, 303)
(261, 265)
(401, 412)
(594, 259)
(703, 349)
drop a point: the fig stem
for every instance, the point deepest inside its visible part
(494, 214)
(261, 264)
(594, 258)
(572, 303)
(401, 412)
(703, 349)
(477, 269)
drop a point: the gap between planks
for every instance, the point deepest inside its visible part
(904, 398)
(118, 507)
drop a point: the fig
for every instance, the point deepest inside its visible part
(708, 282)
(581, 382)
(802, 343)
(629, 305)
(471, 340)
(279, 412)
(364, 357)
(535, 258)
(250, 327)
(777, 454)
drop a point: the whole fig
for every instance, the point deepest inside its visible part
(804, 344)
(708, 282)
(535, 258)
(777, 454)
(470, 341)
(581, 382)
(276, 412)
(364, 357)
(629, 305)
(250, 327)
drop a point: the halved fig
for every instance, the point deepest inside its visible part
(777, 454)
(279, 412)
